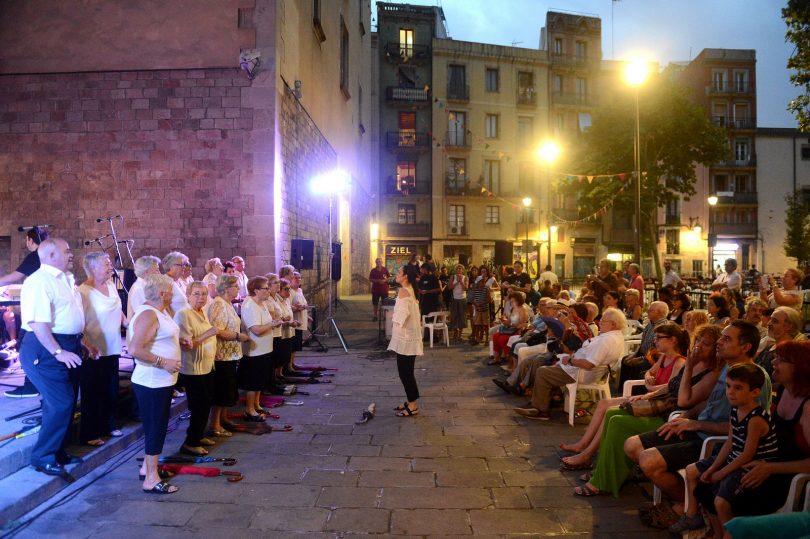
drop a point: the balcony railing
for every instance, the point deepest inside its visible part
(458, 92)
(571, 60)
(407, 95)
(731, 88)
(735, 123)
(742, 197)
(406, 187)
(407, 140)
(748, 162)
(395, 52)
(458, 185)
(457, 140)
(414, 230)
(526, 97)
(457, 228)
(747, 229)
(572, 98)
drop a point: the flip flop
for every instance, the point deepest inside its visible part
(575, 467)
(162, 488)
(587, 491)
(163, 474)
(407, 412)
(401, 407)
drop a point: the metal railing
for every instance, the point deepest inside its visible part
(735, 123)
(457, 139)
(410, 230)
(400, 52)
(573, 98)
(570, 59)
(526, 97)
(458, 92)
(407, 95)
(405, 188)
(405, 140)
(731, 88)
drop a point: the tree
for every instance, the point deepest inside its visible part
(797, 228)
(797, 17)
(675, 135)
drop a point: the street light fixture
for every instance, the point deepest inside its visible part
(635, 74)
(712, 200)
(527, 202)
(548, 152)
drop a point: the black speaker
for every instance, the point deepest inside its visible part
(503, 253)
(302, 254)
(336, 262)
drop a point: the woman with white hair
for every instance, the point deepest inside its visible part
(276, 311)
(213, 269)
(103, 318)
(153, 339)
(175, 265)
(788, 295)
(145, 265)
(256, 365)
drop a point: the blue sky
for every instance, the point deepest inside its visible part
(663, 30)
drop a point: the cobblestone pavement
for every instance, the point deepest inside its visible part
(465, 466)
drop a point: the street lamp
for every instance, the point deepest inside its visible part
(712, 200)
(635, 74)
(548, 152)
(527, 202)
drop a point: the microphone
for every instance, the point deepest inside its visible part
(96, 240)
(110, 218)
(27, 228)
(125, 241)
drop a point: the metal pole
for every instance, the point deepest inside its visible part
(638, 185)
(548, 215)
(526, 244)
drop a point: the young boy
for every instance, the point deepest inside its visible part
(715, 481)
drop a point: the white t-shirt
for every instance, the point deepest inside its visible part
(49, 295)
(297, 298)
(458, 286)
(256, 314)
(179, 299)
(671, 278)
(547, 276)
(731, 280)
(275, 311)
(794, 292)
(166, 344)
(102, 318)
(135, 298)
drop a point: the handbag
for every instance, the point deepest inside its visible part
(659, 404)
(507, 330)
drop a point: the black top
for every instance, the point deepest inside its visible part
(30, 264)
(522, 281)
(429, 302)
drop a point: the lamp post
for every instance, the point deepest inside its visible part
(712, 200)
(548, 152)
(635, 73)
(527, 202)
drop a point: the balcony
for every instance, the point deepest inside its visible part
(735, 123)
(742, 197)
(457, 140)
(731, 163)
(458, 185)
(458, 92)
(746, 88)
(407, 96)
(572, 98)
(457, 228)
(407, 141)
(408, 187)
(526, 97)
(571, 60)
(415, 54)
(412, 230)
(735, 229)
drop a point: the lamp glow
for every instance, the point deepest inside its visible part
(527, 202)
(333, 181)
(553, 229)
(548, 152)
(636, 72)
(375, 232)
(614, 257)
(712, 200)
(698, 229)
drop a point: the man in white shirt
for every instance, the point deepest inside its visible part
(241, 276)
(601, 351)
(547, 275)
(729, 278)
(53, 318)
(672, 278)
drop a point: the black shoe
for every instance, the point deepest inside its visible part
(50, 469)
(23, 392)
(67, 459)
(502, 384)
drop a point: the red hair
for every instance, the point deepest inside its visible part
(797, 353)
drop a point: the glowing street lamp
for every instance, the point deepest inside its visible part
(548, 152)
(712, 200)
(635, 74)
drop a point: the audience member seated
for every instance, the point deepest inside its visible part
(632, 305)
(635, 365)
(785, 325)
(693, 320)
(512, 325)
(681, 304)
(719, 313)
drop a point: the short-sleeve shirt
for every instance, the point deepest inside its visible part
(49, 295)
(255, 313)
(222, 316)
(718, 408)
(102, 315)
(522, 281)
(30, 264)
(199, 360)
(381, 289)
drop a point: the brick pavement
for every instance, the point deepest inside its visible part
(465, 466)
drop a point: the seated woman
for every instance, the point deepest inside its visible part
(516, 322)
(671, 343)
(693, 320)
(610, 299)
(681, 304)
(736, 306)
(632, 304)
(719, 314)
(696, 381)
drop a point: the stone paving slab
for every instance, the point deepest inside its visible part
(466, 466)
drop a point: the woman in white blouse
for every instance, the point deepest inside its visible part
(288, 325)
(145, 265)
(223, 317)
(213, 269)
(176, 266)
(788, 295)
(406, 337)
(256, 364)
(103, 318)
(197, 367)
(153, 339)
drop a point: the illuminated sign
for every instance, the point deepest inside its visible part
(400, 250)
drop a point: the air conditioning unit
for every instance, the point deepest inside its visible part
(455, 230)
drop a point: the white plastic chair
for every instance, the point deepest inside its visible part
(436, 321)
(705, 451)
(602, 387)
(627, 390)
(800, 485)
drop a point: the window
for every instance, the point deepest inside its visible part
(406, 214)
(559, 123)
(673, 211)
(741, 81)
(697, 268)
(491, 80)
(720, 183)
(584, 121)
(406, 176)
(317, 27)
(344, 58)
(719, 111)
(491, 126)
(525, 134)
(492, 175)
(741, 184)
(741, 150)
(525, 83)
(457, 82)
(558, 84)
(407, 129)
(719, 81)
(493, 215)
(406, 43)
(558, 45)
(582, 50)
(457, 176)
(456, 216)
(805, 152)
(741, 114)
(581, 88)
(456, 128)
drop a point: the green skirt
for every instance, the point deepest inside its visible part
(612, 465)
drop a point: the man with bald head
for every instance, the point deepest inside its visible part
(53, 318)
(635, 365)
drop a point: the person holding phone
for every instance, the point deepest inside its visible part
(788, 295)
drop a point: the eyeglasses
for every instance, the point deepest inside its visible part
(264, 288)
(658, 337)
(186, 265)
(285, 288)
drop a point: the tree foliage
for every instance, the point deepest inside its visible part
(797, 17)
(797, 228)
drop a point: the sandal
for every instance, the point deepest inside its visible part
(587, 491)
(568, 467)
(401, 407)
(163, 474)
(586, 477)
(191, 450)
(581, 413)
(220, 433)
(407, 412)
(660, 516)
(162, 488)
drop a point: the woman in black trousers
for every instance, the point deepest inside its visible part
(406, 337)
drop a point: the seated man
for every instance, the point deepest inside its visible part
(600, 351)
(635, 365)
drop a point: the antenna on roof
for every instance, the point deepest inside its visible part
(516, 43)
